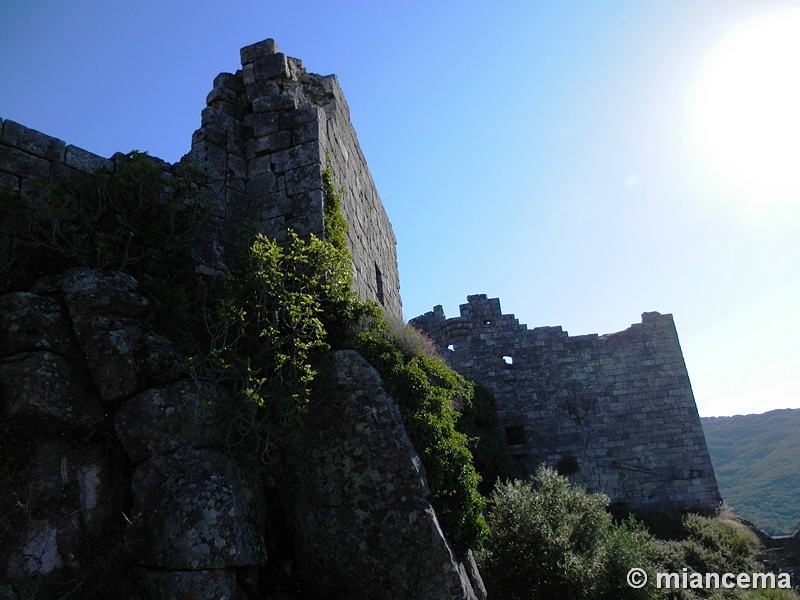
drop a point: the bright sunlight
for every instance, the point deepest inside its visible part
(745, 113)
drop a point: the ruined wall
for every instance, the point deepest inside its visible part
(266, 137)
(117, 474)
(615, 411)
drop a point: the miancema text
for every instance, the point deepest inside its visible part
(686, 580)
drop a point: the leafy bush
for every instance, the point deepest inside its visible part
(711, 545)
(269, 324)
(479, 421)
(549, 539)
(426, 391)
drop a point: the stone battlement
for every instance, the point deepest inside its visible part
(615, 412)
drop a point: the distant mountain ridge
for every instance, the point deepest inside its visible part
(756, 459)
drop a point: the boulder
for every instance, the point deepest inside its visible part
(363, 526)
(47, 389)
(121, 349)
(30, 322)
(193, 511)
(124, 355)
(162, 419)
(63, 501)
(95, 292)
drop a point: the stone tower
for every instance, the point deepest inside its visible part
(267, 134)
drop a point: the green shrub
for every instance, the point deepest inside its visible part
(427, 391)
(550, 539)
(268, 325)
(711, 545)
(478, 420)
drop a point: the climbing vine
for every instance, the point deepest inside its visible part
(260, 329)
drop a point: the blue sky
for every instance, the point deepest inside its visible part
(583, 161)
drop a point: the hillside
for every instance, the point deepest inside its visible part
(755, 458)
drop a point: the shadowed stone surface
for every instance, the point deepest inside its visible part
(364, 528)
(614, 412)
(160, 420)
(195, 512)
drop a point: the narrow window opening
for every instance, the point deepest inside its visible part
(379, 285)
(515, 435)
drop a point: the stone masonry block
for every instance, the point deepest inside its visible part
(211, 134)
(217, 118)
(301, 116)
(299, 156)
(263, 124)
(265, 104)
(22, 164)
(221, 94)
(235, 183)
(308, 132)
(230, 81)
(254, 52)
(261, 185)
(274, 66)
(311, 201)
(9, 182)
(62, 174)
(212, 161)
(263, 89)
(249, 74)
(272, 143)
(32, 141)
(85, 161)
(237, 167)
(258, 166)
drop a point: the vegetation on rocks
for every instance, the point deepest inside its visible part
(259, 330)
(550, 539)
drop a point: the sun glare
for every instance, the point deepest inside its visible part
(745, 112)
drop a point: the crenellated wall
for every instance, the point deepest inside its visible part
(616, 411)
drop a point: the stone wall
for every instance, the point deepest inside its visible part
(119, 477)
(616, 412)
(266, 136)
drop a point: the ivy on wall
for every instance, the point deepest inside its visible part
(259, 330)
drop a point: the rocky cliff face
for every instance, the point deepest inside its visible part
(116, 480)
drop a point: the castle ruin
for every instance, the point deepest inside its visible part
(267, 135)
(614, 412)
(102, 424)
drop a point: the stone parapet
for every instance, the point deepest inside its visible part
(615, 412)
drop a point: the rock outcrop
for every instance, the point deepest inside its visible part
(360, 489)
(117, 477)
